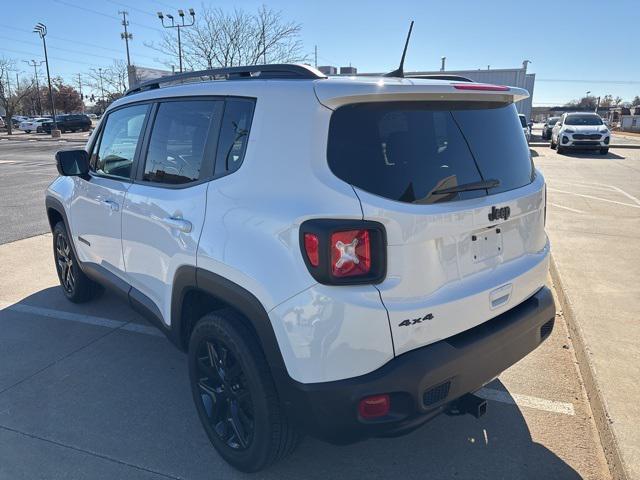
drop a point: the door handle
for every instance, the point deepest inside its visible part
(113, 206)
(178, 224)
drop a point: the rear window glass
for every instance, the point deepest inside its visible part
(407, 151)
(523, 121)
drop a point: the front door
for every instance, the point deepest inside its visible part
(164, 209)
(96, 208)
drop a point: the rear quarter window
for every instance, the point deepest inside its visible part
(406, 151)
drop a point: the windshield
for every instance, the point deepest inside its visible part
(583, 120)
(523, 121)
(553, 121)
(409, 151)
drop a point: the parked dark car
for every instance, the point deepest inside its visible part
(548, 126)
(69, 123)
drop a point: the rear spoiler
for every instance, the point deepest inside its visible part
(334, 94)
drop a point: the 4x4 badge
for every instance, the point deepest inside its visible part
(498, 213)
(408, 322)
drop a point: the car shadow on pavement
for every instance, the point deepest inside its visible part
(125, 395)
(595, 155)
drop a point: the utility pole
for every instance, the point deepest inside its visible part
(178, 26)
(35, 66)
(101, 88)
(80, 88)
(126, 36)
(41, 30)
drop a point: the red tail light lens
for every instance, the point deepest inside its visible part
(312, 247)
(480, 86)
(344, 252)
(350, 253)
(375, 406)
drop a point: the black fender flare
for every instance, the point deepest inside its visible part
(193, 278)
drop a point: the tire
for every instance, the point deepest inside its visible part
(604, 151)
(39, 130)
(77, 287)
(552, 145)
(249, 429)
(27, 131)
(559, 149)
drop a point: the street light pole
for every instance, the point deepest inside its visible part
(126, 36)
(80, 88)
(41, 30)
(101, 88)
(35, 66)
(178, 26)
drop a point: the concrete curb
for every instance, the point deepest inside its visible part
(609, 442)
(45, 139)
(623, 145)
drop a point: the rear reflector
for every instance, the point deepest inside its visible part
(374, 406)
(311, 247)
(480, 86)
(350, 253)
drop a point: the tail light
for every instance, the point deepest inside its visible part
(480, 86)
(339, 252)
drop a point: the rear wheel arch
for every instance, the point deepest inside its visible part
(197, 292)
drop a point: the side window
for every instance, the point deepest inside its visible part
(234, 135)
(177, 152)
(119, 140)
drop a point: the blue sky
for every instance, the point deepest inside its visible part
(574, 45)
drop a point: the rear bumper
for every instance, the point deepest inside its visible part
(423, 382)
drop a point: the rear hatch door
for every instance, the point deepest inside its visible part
(454, 185)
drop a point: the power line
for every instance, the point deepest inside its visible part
(56, 37)
(65, 49)
(106, 15)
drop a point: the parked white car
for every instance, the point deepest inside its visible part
(33, 125)
(343, 257)
(580, 130)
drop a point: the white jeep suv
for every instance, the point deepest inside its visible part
(580, 131)
(340, 257)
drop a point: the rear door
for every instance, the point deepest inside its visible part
(165, 207)
(455, 258)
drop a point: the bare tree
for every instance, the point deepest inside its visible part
(109, 81)
(11, 98)
(227, 39)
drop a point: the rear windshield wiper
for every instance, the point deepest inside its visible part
(467, 187)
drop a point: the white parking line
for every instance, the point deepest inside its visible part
(81, 318)
(526, 401)
(594, 198)
(486, 393)
(575, 210)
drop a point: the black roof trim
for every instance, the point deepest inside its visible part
(258, 72)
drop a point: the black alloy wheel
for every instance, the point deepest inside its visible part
(224, 396)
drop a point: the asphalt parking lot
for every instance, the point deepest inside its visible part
(92, 391)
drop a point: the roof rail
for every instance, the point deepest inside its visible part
(280, 71)
(453, 78)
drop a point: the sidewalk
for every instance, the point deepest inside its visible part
(594, 225)
(77, 137)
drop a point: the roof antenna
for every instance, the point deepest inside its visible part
(399, 72)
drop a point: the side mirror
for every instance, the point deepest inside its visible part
(72, 163)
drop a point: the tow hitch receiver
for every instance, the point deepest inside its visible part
(469, 403)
